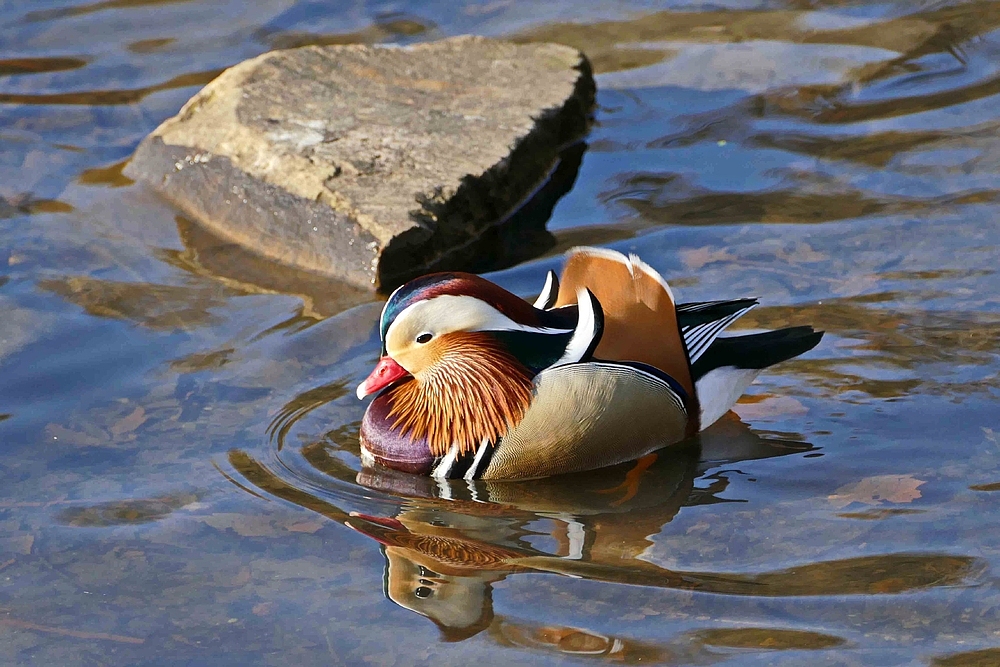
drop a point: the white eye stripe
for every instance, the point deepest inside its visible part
(448, 313)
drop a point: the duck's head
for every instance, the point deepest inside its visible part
(459, 354)
(425, 318)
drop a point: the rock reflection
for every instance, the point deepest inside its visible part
(154, 306)
(110, 176)
(208, 256)
(446, 542)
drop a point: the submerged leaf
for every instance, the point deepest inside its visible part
(878, 489)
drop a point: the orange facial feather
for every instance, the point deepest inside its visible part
(474, 391)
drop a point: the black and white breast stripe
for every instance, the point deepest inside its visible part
(468, 466)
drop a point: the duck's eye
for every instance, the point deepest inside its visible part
(424, 337)
(423, 592)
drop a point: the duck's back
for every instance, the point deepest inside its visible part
(640, 316)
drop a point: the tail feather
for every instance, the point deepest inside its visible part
(757, 351)
(728, 367)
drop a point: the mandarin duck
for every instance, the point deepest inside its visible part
(604, 367)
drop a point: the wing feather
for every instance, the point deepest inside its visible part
(701, 323)
(640, 318)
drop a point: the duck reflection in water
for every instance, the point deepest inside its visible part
(444, 550)
(448, 541)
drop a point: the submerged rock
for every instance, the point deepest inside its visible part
(373, 164)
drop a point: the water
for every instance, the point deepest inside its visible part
(180, 475)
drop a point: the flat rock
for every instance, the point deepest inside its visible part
(371, 164)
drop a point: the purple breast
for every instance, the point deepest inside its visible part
(388, 446)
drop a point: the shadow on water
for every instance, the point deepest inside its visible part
(445, 543)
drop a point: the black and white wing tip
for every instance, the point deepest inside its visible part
(707, 321)
(727, 369)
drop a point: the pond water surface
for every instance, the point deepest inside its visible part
(181, 483)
